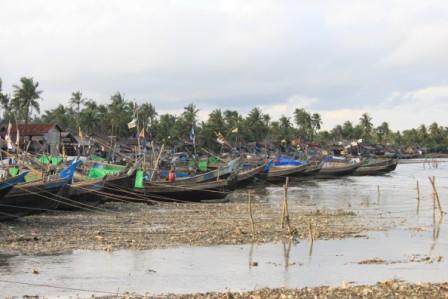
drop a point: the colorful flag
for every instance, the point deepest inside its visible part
(235, 130)
(81, 135)
(142, 133)
(132, 123)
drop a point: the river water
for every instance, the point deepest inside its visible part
(413, 250)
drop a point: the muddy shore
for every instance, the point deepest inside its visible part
(381, 290)
(142, 226)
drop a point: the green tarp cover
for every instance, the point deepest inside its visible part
(13, 171)
(54, 160)
(203, 165)
(139, 179)
(44, 159)
(213, 160)
(103, 170)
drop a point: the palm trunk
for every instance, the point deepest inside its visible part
(27, 115)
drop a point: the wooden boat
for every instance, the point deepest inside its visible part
(37, 196)
(187, 192)
(331, 169)
(312, 169)
(220, 173)
(280, 172)
(248, 172)
(82, 194)
(9, 183)
(376, 167)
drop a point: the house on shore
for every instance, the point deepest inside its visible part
(35, 138)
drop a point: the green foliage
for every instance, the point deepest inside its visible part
(25, 99)
(112, 119)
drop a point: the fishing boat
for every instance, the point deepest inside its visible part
(312, 169)
(36, 196)
(9, 183)
(220, 173)
(284, 167)
(202, 191)
(248, 171)
(337, 166)
(376, 167)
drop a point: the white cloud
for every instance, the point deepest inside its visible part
(339, 56)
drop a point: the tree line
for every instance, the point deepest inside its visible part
(111, 119)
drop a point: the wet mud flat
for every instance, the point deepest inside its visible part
(142, 226)
(381, 290)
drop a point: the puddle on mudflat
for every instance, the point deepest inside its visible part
(201, 269)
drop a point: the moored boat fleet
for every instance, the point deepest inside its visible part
(38, 184)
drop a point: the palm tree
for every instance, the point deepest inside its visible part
(76, 101)
(304, 123)
(316, 123)
(26, 96)
(119, 112)
(366, 124)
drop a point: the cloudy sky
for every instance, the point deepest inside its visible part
(339, 58)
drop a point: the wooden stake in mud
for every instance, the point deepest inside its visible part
(435, 194)
(250, 214)
(418, 197)
(310, 238)
(285, 210)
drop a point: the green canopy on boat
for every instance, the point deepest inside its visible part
(13, 171)
(44, 159)
(101, 170)
(55, 160)
(203, 165)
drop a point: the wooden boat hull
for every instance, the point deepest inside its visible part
(189, 192)
(279, 173)
(83, 194)
(378, 168)
(337, 171)
(7, 185)
(222, 172)
(246, 176)
(30, 198)
(310, 170)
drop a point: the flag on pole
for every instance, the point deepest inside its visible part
(142, 133)
(220, 138)
(132, 123)
(81, 135)
(192, 136)
(235, 130)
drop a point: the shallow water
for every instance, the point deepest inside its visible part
(200, 269)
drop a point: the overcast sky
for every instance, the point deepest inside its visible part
(339, 58)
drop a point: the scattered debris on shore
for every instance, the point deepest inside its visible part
(141, 226)
(381, 290)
